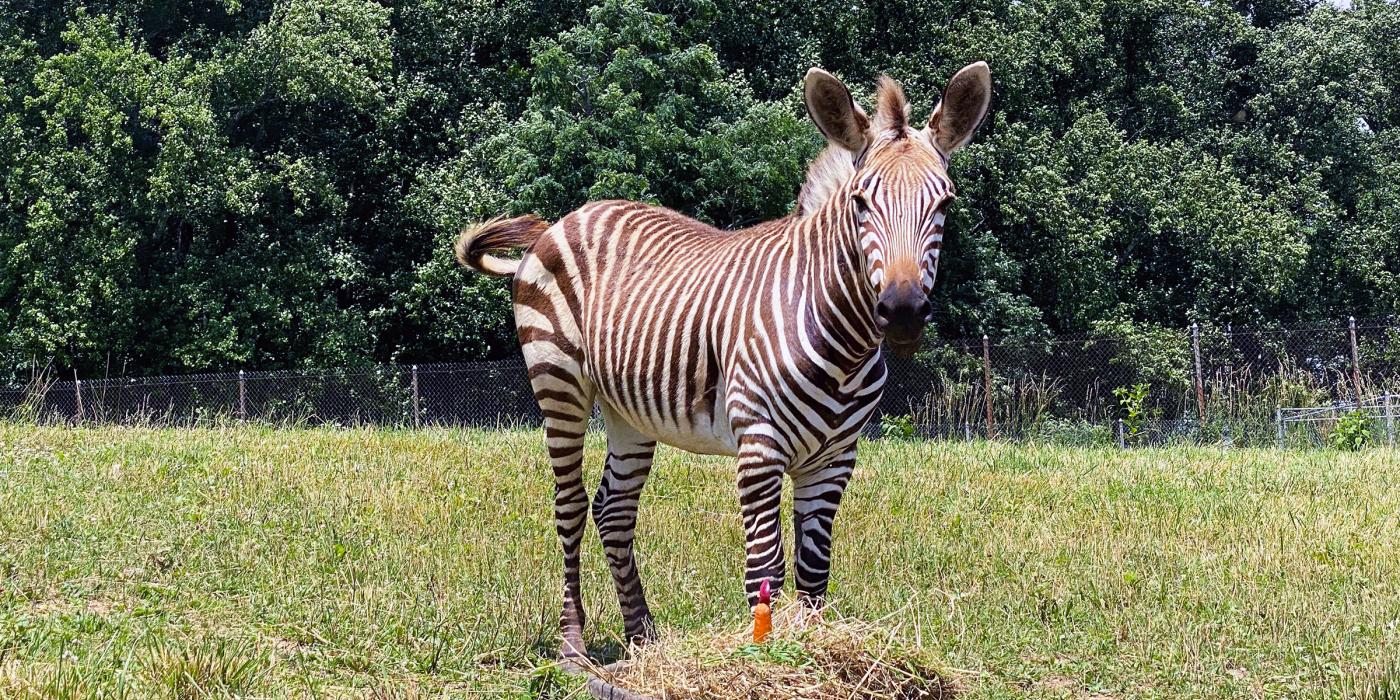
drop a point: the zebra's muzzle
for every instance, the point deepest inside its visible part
(901, 313)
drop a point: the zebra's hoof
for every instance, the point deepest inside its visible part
(641, 633)
(572, 648)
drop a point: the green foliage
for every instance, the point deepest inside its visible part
(782, 652)
(1155, 354)
(1070, 432)
(623, 106)
(275, 183)
(550, 682)
(1132, 401)
(1352, 432)
(894, 427)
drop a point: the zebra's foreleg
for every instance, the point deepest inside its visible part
(761, 467)
(615, 513)
(816, 495)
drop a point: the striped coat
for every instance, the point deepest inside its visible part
(764, 343)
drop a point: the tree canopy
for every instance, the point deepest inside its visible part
(224, 184)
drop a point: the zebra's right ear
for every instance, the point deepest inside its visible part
(835, 112)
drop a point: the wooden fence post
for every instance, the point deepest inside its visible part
(1230, 370)
(1200, 385)
(417, 413)
(242, 396)
(1355, 362)
(78, 395)
(987, 383)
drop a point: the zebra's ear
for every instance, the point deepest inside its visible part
(962, 109)
(835, 112)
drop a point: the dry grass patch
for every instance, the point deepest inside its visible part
(809, 655)
(1382, 683)
(44, 682)
(207, 671)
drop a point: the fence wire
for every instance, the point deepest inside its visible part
(1217, 385)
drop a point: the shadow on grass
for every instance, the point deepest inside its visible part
(601, 652)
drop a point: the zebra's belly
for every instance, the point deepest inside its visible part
(701, 432)
(702, 438)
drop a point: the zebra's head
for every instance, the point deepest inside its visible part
(893, 177)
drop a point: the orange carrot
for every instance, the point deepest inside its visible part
(762, 614)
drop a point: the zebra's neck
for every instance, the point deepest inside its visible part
(838, 298)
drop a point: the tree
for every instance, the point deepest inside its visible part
(210, 184)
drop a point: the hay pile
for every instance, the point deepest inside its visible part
(809, 655)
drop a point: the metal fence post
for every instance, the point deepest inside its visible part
(1355, 362)
(1122, 439)
(242, 396)
(1200, 386)
(1389, 420)
(1278, 421)
(417, 413)
(987, 383)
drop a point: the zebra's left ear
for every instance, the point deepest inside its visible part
(962, 109)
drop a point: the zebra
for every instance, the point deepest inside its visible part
(762, 344)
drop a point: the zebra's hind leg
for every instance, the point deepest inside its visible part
(565, 439)
(761, 468)
(566, 402)
(615, 512)
(816, 495)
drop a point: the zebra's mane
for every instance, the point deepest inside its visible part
(891, 108)
(825, 176)
(835, 165)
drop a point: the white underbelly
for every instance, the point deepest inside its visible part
(705, 439)
(701, 433)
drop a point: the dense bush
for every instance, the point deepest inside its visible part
(259, 184)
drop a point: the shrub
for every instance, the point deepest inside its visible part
(1353, 432)
(1133, 403)
(894, 427)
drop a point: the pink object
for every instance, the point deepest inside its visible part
(763, 592)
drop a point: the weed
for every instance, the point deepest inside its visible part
(894, 427)
(1352, 432)
(1133, 403)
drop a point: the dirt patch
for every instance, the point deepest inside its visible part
(1058, 683)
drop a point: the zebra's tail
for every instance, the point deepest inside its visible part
(475, 242)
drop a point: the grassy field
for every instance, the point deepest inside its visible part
(321, 563)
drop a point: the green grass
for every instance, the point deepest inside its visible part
(379, 564)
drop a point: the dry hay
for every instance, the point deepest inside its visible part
(810, 655)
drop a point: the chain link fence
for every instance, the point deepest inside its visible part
(1196, 385)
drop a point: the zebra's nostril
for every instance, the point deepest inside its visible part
(923, 309)
(883, 310)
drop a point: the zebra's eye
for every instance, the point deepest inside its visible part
(862, 206)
